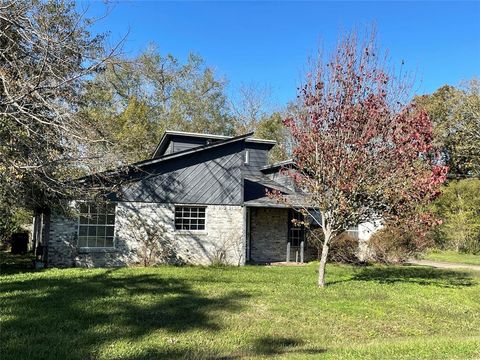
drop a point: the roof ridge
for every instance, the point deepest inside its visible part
(208, 136)
(192, 150)
(168, 156)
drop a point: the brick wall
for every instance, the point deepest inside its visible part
(269, 236)
(222, 241)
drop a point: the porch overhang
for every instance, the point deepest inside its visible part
(296, 201)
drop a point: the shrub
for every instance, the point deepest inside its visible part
(397, 242)
(12, 220)
(343, 249)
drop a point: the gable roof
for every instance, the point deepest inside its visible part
(187, 152)
(168, 135)
(227, 140)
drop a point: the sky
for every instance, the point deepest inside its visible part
(267, 44)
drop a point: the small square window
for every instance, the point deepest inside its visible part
(100, 231)
(83, 231)
(110, 230)
(190, 218)
(109, 241)
(110, 219)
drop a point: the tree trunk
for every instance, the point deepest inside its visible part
(323, 262)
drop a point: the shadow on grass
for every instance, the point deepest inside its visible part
(413, 275)
(281, 345)
(74, 317)
(265, 346)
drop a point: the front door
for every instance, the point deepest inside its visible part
(296, 236)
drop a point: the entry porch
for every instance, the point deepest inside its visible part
(272, 236)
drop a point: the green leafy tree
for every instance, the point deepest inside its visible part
(459, 209)
(134, 101)
(271, 127)
(455, 112)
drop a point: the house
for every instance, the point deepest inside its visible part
(199, 199)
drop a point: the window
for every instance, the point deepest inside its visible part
(296, 232)
(96, 225)
(352, 232)
(247, 157)
(189, 217)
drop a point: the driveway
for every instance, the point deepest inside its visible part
(444, 265)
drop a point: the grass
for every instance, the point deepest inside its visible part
(239, 313)
(454, 257)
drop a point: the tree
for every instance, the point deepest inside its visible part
(459, 209)
(251, 109)
(250, 105)
(46, 51)
(271, 127)
(141, 98)
(362, 153)
(455, 112)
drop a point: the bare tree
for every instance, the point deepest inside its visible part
(46, 51)
(251, 105)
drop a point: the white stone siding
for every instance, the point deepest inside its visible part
(365, 232)
(223, 240)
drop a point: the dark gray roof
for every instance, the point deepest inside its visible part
(269, 183)
(277, 166)
(295, 200)
(222, 142)
(168, 135)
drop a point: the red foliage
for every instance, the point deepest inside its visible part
(362, 151)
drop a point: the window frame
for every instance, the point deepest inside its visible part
(114, 242)
(177, 206)
(353, 231)
(291, 227)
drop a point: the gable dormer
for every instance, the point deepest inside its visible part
(254, 153)
(175, 141)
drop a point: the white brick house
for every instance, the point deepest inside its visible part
(201, 197)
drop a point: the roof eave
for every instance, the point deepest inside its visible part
(273, 167)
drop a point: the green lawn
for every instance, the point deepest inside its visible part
(240, 313)
(453, 256)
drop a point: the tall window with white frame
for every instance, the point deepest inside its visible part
(96, 225)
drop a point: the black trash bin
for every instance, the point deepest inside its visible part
(20, 243)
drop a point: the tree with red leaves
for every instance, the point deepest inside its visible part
(362, 151)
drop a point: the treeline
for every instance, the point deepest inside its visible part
(455, 113)
(133, 101)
